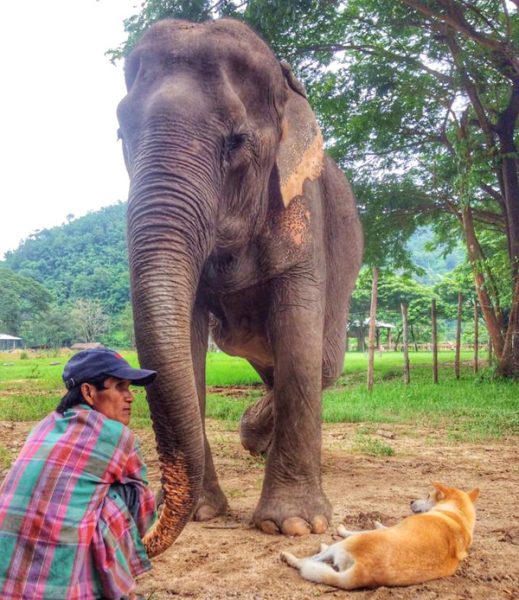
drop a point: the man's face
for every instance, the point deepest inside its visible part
(114, 401)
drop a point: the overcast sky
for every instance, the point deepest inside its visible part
(59, 153)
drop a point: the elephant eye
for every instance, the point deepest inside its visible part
(236, 141)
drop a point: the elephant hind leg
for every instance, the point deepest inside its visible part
(257, 425)
(212, 501)
(257, 422)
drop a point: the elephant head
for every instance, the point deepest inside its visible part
(217, 134)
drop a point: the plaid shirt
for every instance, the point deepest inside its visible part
(65, 534)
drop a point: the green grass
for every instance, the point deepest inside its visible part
(473, 408)
(365, 444)
(5, 458)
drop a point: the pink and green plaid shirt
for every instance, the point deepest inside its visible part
(65, 534)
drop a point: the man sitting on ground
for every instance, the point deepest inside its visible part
(75, 504)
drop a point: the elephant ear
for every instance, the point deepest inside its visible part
(300, 154)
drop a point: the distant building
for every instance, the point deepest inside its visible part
(359, 330)
(10, 342)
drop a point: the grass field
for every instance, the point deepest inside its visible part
(473, 408)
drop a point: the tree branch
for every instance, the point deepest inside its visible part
(490, 218)
(455, 19)
(509, 116)
(471, 90)
(507, 18)
(474, 9)
(443, 137)
(493, 194)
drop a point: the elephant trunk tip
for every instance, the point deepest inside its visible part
(180, 497)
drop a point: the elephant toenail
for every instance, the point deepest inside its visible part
(269, 526)
(319, 524)
(295, 526)
(205, 512)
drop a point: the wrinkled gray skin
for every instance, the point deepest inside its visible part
(238, 222)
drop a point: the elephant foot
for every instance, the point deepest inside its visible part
(212, 503)
(257, 425)
(293, 512)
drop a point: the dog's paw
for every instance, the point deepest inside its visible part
(289, 559)
(324, 547)
(343, 532)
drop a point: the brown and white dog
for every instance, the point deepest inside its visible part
(420, 548)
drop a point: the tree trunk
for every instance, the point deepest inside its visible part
(508, 358)
(411, 329)
(405, 336)
(476, 336)
(372, 328)
(434, 341)
(508, 365)
(458, 337)
(362, 339)
(505, 129)
(476, 258)
(397, 341)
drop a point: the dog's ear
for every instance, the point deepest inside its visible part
(441, 490)
(473, 494)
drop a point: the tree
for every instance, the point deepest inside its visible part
(89, 319)
(21, 298)
(393, 291)
(52, 329)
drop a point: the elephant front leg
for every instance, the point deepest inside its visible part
(212, 501)
(292, 499)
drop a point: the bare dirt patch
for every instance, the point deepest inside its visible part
(227, 558)
(235, 391)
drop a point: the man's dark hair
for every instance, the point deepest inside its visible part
(74, 395)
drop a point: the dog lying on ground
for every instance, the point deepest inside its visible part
(422, 547)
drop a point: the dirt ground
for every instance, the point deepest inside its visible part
(227, 558)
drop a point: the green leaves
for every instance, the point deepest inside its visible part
(21, 298)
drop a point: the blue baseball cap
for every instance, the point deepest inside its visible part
(96, 362)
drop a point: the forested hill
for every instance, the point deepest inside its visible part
(433, 262)
(85, 258)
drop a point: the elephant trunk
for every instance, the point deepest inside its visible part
(171, 216)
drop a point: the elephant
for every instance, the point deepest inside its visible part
(238, 224)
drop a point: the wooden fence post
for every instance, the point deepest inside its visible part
(476, 336)
(434, 326)
(372, 328)
(457, 359)
(405, 340)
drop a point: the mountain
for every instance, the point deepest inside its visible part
(84, 258)
(434, 263)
